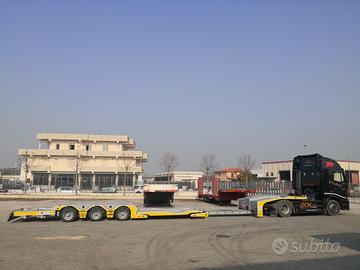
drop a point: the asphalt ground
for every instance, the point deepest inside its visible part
(299, 242)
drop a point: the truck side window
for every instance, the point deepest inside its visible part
(338, 177)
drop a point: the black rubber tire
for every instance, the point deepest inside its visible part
(273, 212)
(284, 208)
(332, 208)
(96, 214)
(68, 214)
(122, 213)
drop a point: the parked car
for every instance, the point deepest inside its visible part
(139, 189)
(2, 189)
(107, 190)
(31, 189)
(66, 190)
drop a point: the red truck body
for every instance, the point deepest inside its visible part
(221, 191)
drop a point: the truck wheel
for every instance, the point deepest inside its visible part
(96, 214)
(273, 212)
(68, 214)
(285, 208)
(332, 208)
(122, 213)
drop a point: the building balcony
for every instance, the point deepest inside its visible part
(49, 137)
(84, 169)
(83, 153)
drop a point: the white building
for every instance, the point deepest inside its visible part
(88, 161)
(189, 177)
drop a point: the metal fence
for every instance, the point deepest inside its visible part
(260, 187)
(271, 188)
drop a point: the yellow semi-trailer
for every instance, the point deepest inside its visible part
(97, 212)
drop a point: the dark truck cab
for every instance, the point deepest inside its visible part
(324, 183)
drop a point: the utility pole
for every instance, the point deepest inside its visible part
(349, 173)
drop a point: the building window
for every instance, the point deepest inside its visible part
(127, 182)
(267, 174)
(40, 179)
(87, 147)
(86, 182)
(72, 146)
(57, 146)
(105, 180)
(105, 147)
(62, 180)
(272, 174)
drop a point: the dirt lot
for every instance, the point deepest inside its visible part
(303, 242)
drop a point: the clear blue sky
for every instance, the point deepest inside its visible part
(189, 77)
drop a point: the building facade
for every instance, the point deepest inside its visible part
(89, 162)
(188, 179)
(228, 174)
(282, 170)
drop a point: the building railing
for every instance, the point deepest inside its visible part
(84, 137)
(82, 153)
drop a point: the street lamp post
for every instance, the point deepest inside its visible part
(349, 173)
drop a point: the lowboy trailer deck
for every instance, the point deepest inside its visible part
(97, 212)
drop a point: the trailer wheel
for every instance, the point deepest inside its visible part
(273, 211)
(332, 208)
(68, 214)
(122, 213)
(285, 208)
(96, 214)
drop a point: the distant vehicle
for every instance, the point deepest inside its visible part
(107, 190)
(139, 189)
(223, 192)
(2, 189)
(66, 190)
(159, 193)
(31, 189)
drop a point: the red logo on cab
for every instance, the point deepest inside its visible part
(329, 164)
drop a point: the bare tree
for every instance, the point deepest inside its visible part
(208, 165)
(77, 168)
(168, 162)
(25, 163)
(128, 164)
(246, 163)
